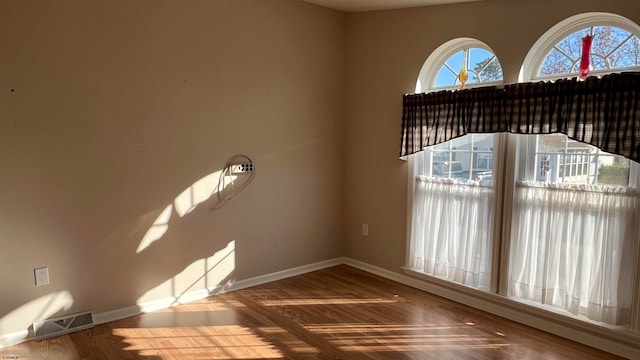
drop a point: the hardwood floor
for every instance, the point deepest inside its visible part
(335, 313)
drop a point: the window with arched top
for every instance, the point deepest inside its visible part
(615, 47)
(469, 66)
(460, 63)
(612, 48)
(452, 182)
(566, 189)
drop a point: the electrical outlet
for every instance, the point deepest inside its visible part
(365, 229)
(242, 168)
(42, 276)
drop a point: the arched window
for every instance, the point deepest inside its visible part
(612, 48)
(459, 63)
(452, 183)
(557, 54)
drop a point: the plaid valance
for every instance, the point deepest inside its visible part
(604, 112)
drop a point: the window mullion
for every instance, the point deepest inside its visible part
(504, 168)
(634, 173)
(634, 326)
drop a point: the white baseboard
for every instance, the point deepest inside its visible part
(263, 279)
(196, 295)
(616, 342)
(378, 271)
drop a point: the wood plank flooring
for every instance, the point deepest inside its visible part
(335, 313)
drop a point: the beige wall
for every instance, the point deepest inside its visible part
(118, 107)
(386, 51)
(111, 109)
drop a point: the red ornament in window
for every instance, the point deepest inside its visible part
(585, 62)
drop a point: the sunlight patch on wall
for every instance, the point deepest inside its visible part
(195, 282)
(157, 230)
(36, 310)
(199, 192)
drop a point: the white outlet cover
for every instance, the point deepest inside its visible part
(42, 276)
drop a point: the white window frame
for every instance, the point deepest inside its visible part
(417, 163)
(530, 72)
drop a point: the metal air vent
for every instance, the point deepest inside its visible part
(62, 325)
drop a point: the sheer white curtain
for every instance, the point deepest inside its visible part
(570, 246)
(451, 231)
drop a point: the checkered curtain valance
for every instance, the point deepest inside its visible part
(604, 112)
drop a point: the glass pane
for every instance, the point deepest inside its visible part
(491, 71)
(562, 160)
(482, 66)
(443, 146)
(462, 143)
(572, 44)
(455, 61)
(612, 48)
(613, 170)
(468, 157)
(627, 55)
(556, 63)
(597, 63)
(445, 78)
(606, 39)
